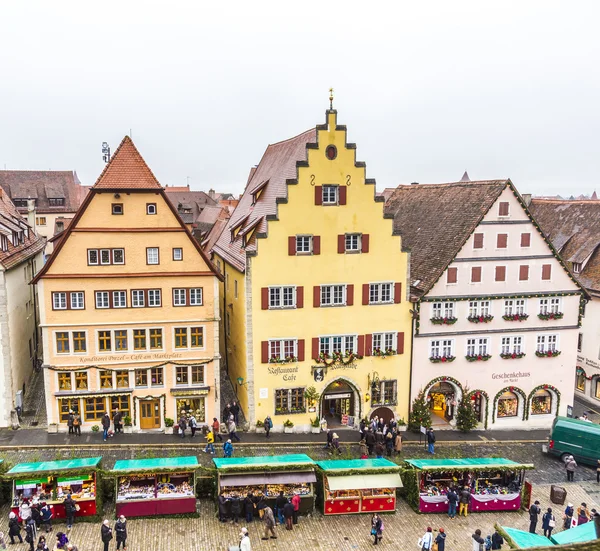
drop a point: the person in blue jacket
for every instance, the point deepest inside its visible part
(227, 449)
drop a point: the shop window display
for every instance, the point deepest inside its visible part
(508, 405)
(580, 381)
(195, 406)
(541, 403)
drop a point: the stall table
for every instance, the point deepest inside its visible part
(268, 475)
(359, 486)
(51, 481)
(495, 483)
(157, 486)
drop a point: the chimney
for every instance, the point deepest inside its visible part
(31, 213)
(414, 183)
(526, 199)
(211, 193)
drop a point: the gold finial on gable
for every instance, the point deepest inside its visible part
(331, 98)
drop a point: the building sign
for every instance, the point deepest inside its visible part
(512, 377)
(287, 372)
(131, 357)
(263, 393)
(338, 395)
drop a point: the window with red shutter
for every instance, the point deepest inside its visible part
(523, 273)
(365, 243)
(316, 296)
(350, 294)
(318, 195)
(502, 241)
(365, 293)
(315, 348)
(264, 352)
(316, 244)
(478, 241)
(546, 271)
(500, 273)
(341, 244)
(264, 298)
(397, 293)
(368, 344)
(400, 348)
(503, 208)
(300, 297)
(476, 274)
(343, 191)
(525, 240)
(452, 275)
(300, 350)
(292, 245)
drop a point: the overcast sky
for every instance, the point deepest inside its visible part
(427, 89)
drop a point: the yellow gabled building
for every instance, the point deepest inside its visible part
(129, 307)
(315, 290)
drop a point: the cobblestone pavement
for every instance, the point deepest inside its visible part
(339, 533)
(34, 405)
(228, 395)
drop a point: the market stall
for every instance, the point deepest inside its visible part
(52, 481)
(359, 486)
(494, 483)
(269, 475)
(157, 486)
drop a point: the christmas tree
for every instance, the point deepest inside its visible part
(420, 416)
(466, 418)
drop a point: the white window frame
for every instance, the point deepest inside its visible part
(100, 252)
(113, 257)
(150, 256)
(385, 340)
(154, 293)
(332, 189)
(577, 267)
(436, 310)
(75, 296)
(61, 304)
(303, 240)
(515, 307)
(277, 297)
(550, 305)
(135, 296)
(281, 344)
(480, 308)
(514, 344)
(330, 291)
(104, 304)
(178, 254)
(196, 296)
(89, 252)
(121, 295)
(439, 348)
(327, 343)
(546, 342)
(478, 346)
(149, 207)
(179, 297)
(353, 242)
(441, 310)
(376, 289)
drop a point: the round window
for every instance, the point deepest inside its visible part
(331, 152)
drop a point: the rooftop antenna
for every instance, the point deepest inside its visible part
(105, 152)
(331, 99)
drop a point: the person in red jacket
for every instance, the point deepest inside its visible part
(296, 503)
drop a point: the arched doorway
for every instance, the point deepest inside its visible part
(384, 413)
(340, 404)
(443, 396)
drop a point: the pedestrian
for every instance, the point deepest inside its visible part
(296, 503)
(268, 424)
(227, 449)
(364, 452)
(335, 444)
(72, 547)
(379, 450)
(497, 540)
(235, 410)
(570, 466)
(42, 545)
(36, 515)
(121, 532)
(2, 541)
(25, 511)
(210, 442)
(61, 540)
(216, 426)
(464, 501)
(427, 540)
(440, 540)
(376, 524)
(193, 425)
(398, 442)
(245, 540)
(231, 427)
(236, 508)
(118, 420)
(46, 517)
(568, 516)
(222, 507)
(14, 528)
(70, 419)
(182, 425)
(30, 533)
(534, 513)
(362, 428)
(583, 515)
(329, 442)
(226, 413)
(370, 441)
(452, 497)
(105, 426)
(548, 522)
(389, 443)
(478, 541)
(430, 441)
(280, 504)
(70, 509)
(269, 519)
(288, 515)
(106, 534)
(77, 424)
(595, 514)
(249, 508)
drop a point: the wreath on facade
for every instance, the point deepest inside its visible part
(441, 359)
(478, 392)
(478, 357)
(515, 317)
(339, 357)
(543, 387)
(509, 389)
(512, 355)
(443, 321)
(480, 319)
(551, 316)
(549, 354)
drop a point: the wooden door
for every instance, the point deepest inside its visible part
(150, 414)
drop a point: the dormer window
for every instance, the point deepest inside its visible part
(117, 208)
(258, 192)
(20, 203)
(150, 208)
(55, 202)
(576, 267)
(4, 243)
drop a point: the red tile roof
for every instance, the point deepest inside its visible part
(277, 165)
(127, 170)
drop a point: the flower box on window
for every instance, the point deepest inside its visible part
(441, 359)
(279, 411)
(478, 358)
(512, 355)
(548, 354)
(480, 319)
(344, 358)
(551, 316)
(515, 317)
(385, 403)
(443, 321)
(284, 360)
(382, 353)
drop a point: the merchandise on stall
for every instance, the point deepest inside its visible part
(268, 475)
(52, 481)
(158, 486)
(359, 486)
(494, 483)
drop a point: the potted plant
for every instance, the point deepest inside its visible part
(288, 427)
(311, 397)
(260, 426)
(169, 425)
(401, 425)
(127, 425)
(53, 427)
(95, 428)
(315, 425)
